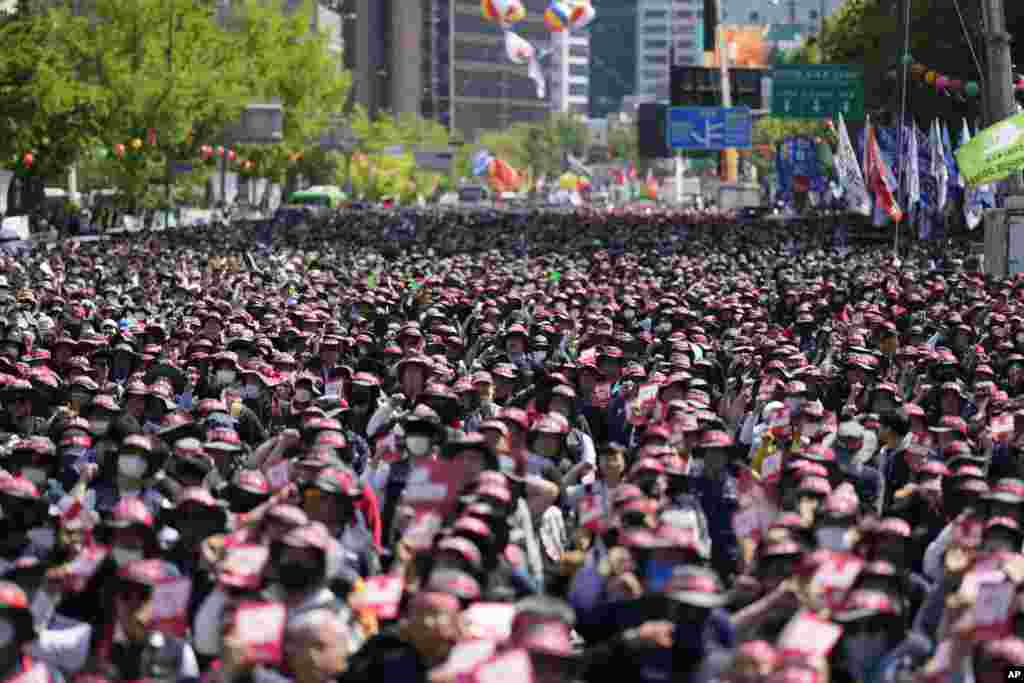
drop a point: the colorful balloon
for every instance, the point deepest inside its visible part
(504, 12)
(942, 82)
(581, 15)
(558, 17)
(28, 159)
(972, 89)
(119, 150)
(519, 51)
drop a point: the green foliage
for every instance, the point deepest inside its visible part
(540, 146)
(71, 84)
(623, 144)
(771, 130)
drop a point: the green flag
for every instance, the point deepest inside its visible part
(371, 280)
(554, 276)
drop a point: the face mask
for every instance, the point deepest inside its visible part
(225, 376)
(132, 466)
(540, 356)
(100, 427)
(506, 463)
(628, 314)
(125, 555)
(36, 475)
(517, 357)
(251, 391)
(417, 444)
(297, 577)
(863, 650)
(831, 538)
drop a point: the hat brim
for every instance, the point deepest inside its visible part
(700, 599)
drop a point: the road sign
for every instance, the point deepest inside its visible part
(709, 128)
(815, 91)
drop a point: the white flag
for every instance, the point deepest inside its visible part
(849, 175)
(938, 169)
(913, 170)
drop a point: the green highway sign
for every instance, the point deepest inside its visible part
(815, 91)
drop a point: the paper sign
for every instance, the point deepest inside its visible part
(835, 577)
(382, 594)
(513, 665)
(488, 621)
(243, 565)
(259, 628)
(279, 475)
(169, 610)
(992, 610)
(434, 485)
(465, 656)
(809, 635)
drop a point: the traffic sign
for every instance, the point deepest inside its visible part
(709, 128)
(815, 91)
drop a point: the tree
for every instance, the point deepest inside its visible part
(47, 111)
(867, 32)
(538, 146)
(163, 71)
(623, 144)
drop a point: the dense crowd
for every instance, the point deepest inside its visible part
(544, 447)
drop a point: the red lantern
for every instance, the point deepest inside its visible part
(151, 137)
(205, 152)
(119, 150)
(220, 151)
(28, 159)
(231, 155)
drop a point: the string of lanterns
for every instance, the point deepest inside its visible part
(943, 83)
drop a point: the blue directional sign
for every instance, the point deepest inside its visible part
(709, 128)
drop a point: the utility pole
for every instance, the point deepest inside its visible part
(998, 85)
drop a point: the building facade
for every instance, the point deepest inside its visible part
(667, 31)
(806, 13)
(613, 52)
(569, 73)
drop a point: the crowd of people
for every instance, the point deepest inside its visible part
(528, 447)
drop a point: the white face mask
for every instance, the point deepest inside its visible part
(506, 463)
(225, 376)
(417, 444)
(832, 538)
(251, 391)
(35, 475)
(132, 466)
(125, 555)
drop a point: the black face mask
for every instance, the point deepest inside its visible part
(298, 576)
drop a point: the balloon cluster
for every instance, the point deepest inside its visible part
(503, 12)
(941, 82)
(568, 16)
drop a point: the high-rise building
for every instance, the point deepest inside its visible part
(569, 73)
(807, 13)
(612, 56)
(667, 30)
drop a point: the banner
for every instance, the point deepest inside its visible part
(855, 193)
(994, 153)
